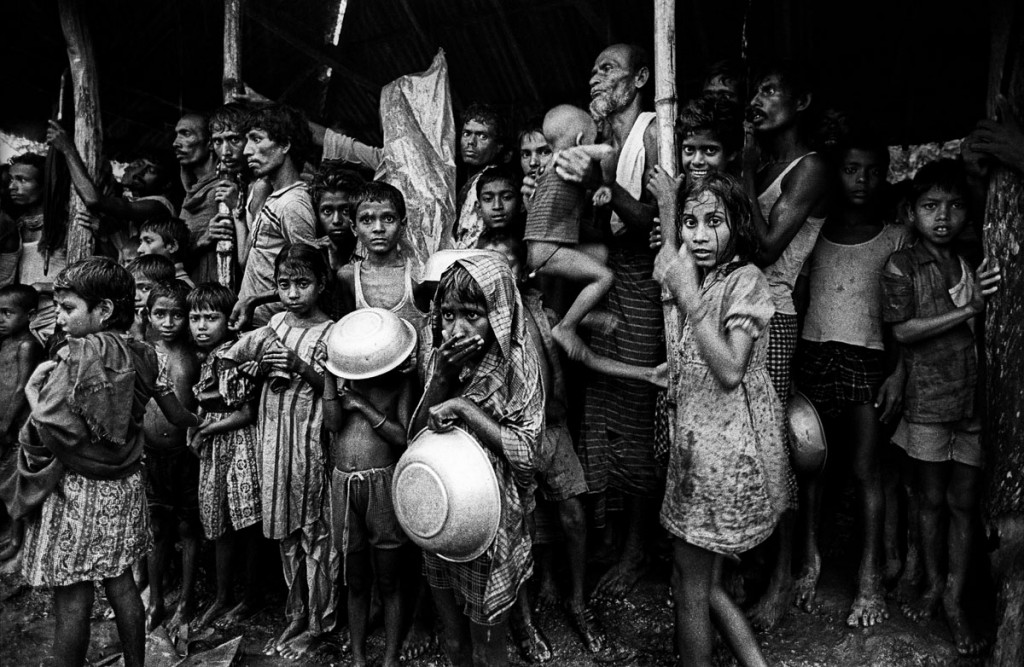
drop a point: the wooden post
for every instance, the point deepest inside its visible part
(88, 130)
(231, 82)
(1003, 236)
(665, 107)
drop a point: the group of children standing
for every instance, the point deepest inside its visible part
(230, 430)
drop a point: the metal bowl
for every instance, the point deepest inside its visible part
(367, 343)
(807, 446)
(446, 495)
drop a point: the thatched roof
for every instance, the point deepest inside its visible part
(917, 69)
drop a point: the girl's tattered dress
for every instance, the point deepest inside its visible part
(729, 478)
(293, 478)
(94, 523)
(229, 483)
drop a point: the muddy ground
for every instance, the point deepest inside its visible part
(642, 624)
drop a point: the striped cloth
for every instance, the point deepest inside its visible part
(616, 442)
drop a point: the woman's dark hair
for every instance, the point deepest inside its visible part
(301, 257)
(97, 278)
(730, 192)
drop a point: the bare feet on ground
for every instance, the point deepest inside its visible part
(419, 640)
(774, 604)
(547, 595)
(216, 609)
(588, 627)
(298, 646)
(532, 644)
(292, 630)
(910, 580)
(620, 579)
(926, 607)
(243, 611)
(869, 607)
(968, 643)
(154, 616)
(806, 585)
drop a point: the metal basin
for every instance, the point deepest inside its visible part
(807, 446)
(446, 495)
(368, 342)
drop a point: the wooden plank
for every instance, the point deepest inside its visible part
(88, 129)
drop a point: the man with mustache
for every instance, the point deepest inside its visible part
(199, 178)
(618, 431)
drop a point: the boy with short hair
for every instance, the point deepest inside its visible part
(497, 193)
(20, 353)
(384, 278)
(484, 375)
(172, 470)
(147, 271)
(932, 299)
(167, 238)
(553, 222)
(368, 420)
(80, 460)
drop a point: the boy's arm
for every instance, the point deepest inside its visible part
(175, 411)
(391, 429)
(805, 190)
(116, 207)
(606, 157)
(347, 287)
(241, 314)
(29, 356)
(655, 375)
(334, 416)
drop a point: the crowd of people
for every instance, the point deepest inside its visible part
(153, 407)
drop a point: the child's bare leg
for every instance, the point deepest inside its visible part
(359, 578)
(692, 581)
(962, 498)
(421, 636)
(809, 516)
(621, 578)
(296, 608)
(157, 565)
(574, 526)
(532, 644)
(124, 599)
(489, 644)
(932, 479)
(249, 539)
(458, 643)
(224, 553)
(777, 599)
(869, 606)
(912, 575)
(387, 563)
(732, 623)
(891, 530)
(190, 532)
(71, 607)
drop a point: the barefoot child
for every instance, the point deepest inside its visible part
(484, 375)
(229, 483)
(728, 467)
(172, 471)
(553, 222)
(931, 297)
(368, 419)
(842, 365)
(287, 353)
(384, 278)
(168, 238)
(81, 459)
(20, 353)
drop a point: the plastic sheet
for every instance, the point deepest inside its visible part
(419, 155)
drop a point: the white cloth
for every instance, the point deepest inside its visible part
(963, 291)
(846, 290)
(782, 274)
(629, 172)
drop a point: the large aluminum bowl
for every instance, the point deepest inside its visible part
(446, 495)
(367, 343)
(807, 445)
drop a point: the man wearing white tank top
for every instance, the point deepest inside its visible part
(789, 183)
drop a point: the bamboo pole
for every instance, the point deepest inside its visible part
(665, 107)
(231, 83)
(88, 130)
